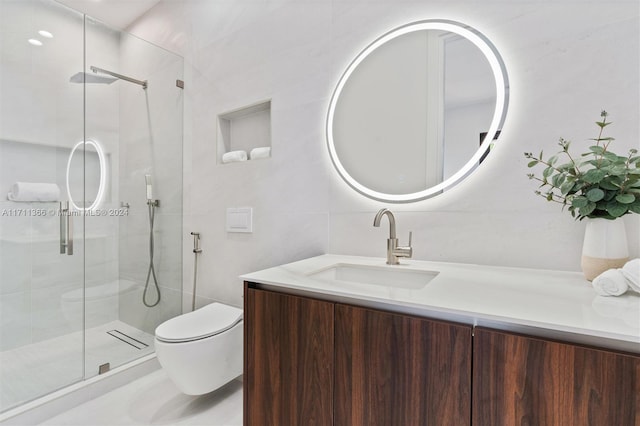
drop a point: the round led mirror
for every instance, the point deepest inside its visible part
(417, 110)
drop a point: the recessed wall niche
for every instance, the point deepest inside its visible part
(244, 129)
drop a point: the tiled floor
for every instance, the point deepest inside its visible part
(154, 400)
(31, 371)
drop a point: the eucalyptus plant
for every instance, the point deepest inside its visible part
(597, 184)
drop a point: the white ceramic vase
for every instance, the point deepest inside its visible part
(605, 246)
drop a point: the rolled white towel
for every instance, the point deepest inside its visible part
(28, 191)
(261, 152)
(631, 271)
(610, 283)
(234, 156)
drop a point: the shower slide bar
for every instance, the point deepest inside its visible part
(142, 83)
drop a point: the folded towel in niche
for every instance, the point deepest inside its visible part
(610, 283)
(261, 152)
(631, 271)
(234, 156)
(28, 191)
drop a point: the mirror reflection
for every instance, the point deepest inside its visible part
(410, 114)
(86, 175)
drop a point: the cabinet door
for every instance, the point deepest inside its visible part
(400, 370)
(288, 372)
(521, 380)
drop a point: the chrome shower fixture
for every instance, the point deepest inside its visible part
(149, 184)
(97, 70)
(151, 272)
(83, 77)
(92, 78)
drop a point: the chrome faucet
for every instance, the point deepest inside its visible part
(394, 252)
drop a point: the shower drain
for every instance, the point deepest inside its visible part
(127, 339)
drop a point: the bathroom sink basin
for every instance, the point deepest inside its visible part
(390, 276)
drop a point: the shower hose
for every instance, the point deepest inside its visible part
(151, 272)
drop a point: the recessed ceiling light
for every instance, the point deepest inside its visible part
(46, 34)
(35, 42)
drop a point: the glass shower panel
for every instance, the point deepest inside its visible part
(41, 120)
(134, 114)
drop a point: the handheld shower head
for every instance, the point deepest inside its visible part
(147, 179)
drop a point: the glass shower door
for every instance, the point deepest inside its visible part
(133, 259)
(41, 244)
(81, 137)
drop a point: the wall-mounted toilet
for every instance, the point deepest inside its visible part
(201, 350)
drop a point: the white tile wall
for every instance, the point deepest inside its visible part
(566, 61)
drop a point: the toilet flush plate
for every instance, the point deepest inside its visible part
(240, 219)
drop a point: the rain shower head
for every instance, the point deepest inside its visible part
(84, 77)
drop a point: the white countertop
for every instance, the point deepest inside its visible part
(551, 304)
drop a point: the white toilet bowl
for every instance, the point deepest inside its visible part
(201, 350)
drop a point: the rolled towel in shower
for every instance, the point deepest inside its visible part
(631, 271)
(261, 152)
(610, 283)
(28, 191)
(234, 156)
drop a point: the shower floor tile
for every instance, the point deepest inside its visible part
(34, 370)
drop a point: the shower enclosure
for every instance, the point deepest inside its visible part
(75, 118)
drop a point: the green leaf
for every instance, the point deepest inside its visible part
(596, 149)
(552, 160)
(616, 210)
(632, 180)
(602, 124)
(610, 183)
(587, 210)
(532, 163)
(579, 201)
(635, 207)
(625, 198)
(614, 157)
(566, 167)
(557, 180)
(594, 176)
(547, 172)
(566, 187)
(595, 194)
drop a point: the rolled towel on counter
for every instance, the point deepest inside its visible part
(261, 152)
(28, 191)
(610, 283)
(234, 156)
(631, 271)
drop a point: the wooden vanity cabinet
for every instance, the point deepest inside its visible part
(394, 369)
(522, 380)
(288, 360)
(312, 362)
